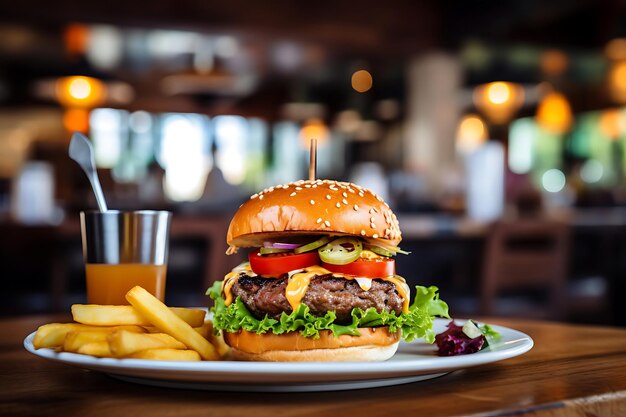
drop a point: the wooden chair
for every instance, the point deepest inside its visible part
(522, 258)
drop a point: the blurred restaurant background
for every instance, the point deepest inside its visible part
(494, 129)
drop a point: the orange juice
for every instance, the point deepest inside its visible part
(109, 283)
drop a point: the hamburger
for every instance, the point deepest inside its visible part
(320, 284)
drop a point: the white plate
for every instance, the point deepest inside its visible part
(414, 361)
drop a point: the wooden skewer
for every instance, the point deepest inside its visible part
(313, 160)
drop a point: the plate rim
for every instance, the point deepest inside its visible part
(519, 344)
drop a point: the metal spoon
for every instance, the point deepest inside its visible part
(81, 151)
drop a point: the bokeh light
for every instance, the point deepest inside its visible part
(616, 49)
(498, 92)
(80, 91)
(314, 129)
(362, 81)
(471, 133)
(612, 123)
(182, 154)
(554, 113)
(521, 145)
(499, 101)
(554, 62)
(76, 120)
(617, 82)
(591, 171)
(553, 180)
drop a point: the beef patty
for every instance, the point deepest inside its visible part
(325, 293)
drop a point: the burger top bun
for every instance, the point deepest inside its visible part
(313, 207)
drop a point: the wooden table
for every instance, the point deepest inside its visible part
(572, 370)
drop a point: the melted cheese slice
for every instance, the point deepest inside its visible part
(299, 283)
(227, 284)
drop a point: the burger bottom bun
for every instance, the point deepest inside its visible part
(350, 354)
(374, 344)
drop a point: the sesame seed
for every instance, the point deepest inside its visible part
(345, 194)
(292, 194)
(319, 220)
(314, 186)
(361, 194)
(356, 207)
(344, 201)
(372, 219)
(327, 223)
(362, 232)
(298, 188)
(261, 197)
(338, 205)
(254, 196)
(373, 226)
(327, 196)
(375, 236)
(308, 185)
(312, 202)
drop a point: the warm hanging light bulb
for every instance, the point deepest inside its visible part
(471, 133)
(499, 101)
(80, 91)
(554, 113)
(314, 129)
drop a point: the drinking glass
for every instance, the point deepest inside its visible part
(123, 249)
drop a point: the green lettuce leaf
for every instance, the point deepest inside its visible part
(417, 323)
(491, 335)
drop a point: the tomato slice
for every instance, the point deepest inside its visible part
(281, 263)
(368, 268)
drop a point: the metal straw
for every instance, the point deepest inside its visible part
(81, 151)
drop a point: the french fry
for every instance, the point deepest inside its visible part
(219, 343)
(166, 355)
(123, 343)
(159, 315)
(152, 329)
(77, 338)
(205, 330)
(53, 335)
(99, 349)
(104, 315)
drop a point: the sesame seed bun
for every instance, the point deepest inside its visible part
(313, 207)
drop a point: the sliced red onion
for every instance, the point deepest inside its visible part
(277, 245)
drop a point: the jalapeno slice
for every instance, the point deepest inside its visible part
(313, 245)
(341, 251)
(380, 251)
(267, 251)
